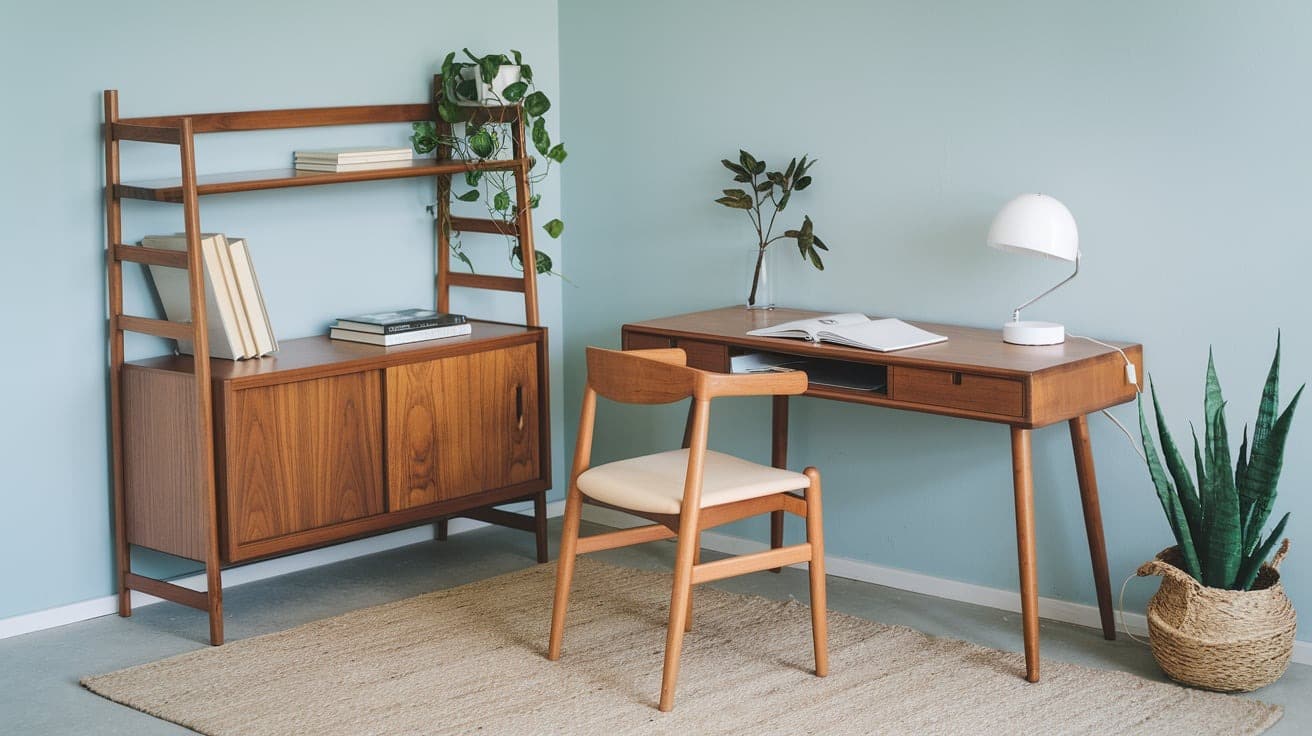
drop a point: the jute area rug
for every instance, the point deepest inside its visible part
(470, 659)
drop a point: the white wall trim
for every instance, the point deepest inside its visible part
(866, 572)
(105, 605)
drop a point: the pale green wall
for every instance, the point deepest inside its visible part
(321, 252)
(1177, 133)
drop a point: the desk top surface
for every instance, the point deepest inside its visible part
(966, 347)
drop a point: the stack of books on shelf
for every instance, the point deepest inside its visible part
(351, 159)
(400, 327)
(238, 324)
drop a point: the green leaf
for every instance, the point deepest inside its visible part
(424, 137)
(747, 160)
(470, 54)
(802, 183)
(501, 201)
(815, 260)
(519, 58)
(541, 140)
(557, 153)
(736, 193)
(534, 201)
(1168, 498)
(481, 143)
(783, 201)
(1220, 502)
(1249, 494)
(526, 73)
(792, 166)
(467, 89)
(450, 111)
(536, 104)
(461, 255)
(743, 178)
(819, 243)
(554, 228)
(765, 186)
(1253, 564)
(514, 92)
(469, 196)
(473, 177)
(1184, 484)
(1264, 466)
(489, 66)
(735, 203)
(805, 238)
(735, 168)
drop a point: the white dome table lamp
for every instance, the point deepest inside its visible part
(1036, 224)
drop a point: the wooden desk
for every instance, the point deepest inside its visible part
(974, 375)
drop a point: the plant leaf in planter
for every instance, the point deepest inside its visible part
(534, 201)
(473, 177)
(481, 143)
(514, 92)
(450, 111)
(541, 140)
(557, 153)
(424, 137)
(469, 196)
(554, 228)
(526, 73)
(519, 58)
(1220, 508)
(1184, 484)
(1168, 498)
(501, 201)
(536, 104)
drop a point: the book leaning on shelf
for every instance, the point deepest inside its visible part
(237, 322)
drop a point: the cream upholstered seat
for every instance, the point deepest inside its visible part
(687, 491)
(654, 483)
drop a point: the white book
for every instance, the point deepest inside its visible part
(401, 338)
(174, 292)
(252, 301)
(854, 330)
(355, 154)
(390, 164)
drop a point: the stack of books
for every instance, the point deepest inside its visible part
(237, 322)
(400, 327)
(351, 159)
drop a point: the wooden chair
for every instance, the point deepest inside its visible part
(686, 491)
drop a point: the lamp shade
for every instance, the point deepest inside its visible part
(1036, 223)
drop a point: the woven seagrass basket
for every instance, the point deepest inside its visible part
(1216, 639)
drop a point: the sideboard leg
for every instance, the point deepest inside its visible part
(214, 597)
(441, 530)
(540, 524)
(1093, 522)
(779, 459)
(1023, 480)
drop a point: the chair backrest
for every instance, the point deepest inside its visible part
(641, 376)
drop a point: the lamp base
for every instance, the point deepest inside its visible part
(1033, 333)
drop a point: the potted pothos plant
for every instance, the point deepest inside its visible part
(766, 195)
(1221, 619)
(492, 79)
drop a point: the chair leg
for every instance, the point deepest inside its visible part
(680, 601)
(815, 534)
(569, 539)
(696, 560)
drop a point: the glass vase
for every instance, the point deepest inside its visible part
(760, 278)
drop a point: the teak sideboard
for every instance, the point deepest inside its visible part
(226, 462)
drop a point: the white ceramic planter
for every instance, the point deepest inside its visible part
(490, 93)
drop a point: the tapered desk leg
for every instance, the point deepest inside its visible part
(1093, 522)
(779, 459)
(1023, 480)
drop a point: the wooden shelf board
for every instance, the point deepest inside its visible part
(310, 357)
(170, 190)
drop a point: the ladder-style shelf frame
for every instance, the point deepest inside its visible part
(186, 190)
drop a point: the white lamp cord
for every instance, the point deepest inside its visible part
(1129, 364)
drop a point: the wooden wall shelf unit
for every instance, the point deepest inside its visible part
(225, 462)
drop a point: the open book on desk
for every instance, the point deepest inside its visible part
(854, 330)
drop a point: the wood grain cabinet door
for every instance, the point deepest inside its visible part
(461, 425)
(300, 456)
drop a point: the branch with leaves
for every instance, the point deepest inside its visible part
(491, 141)
(770, 192)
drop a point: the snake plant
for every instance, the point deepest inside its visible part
(1218, 520)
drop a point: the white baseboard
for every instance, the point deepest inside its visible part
(105, 605)
(866, 572)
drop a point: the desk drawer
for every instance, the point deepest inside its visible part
(959, 391)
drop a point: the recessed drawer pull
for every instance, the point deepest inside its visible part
(519, 407)
(956, 378)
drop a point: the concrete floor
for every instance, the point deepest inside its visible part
(39, 672)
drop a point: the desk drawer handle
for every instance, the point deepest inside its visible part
(956, 378)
